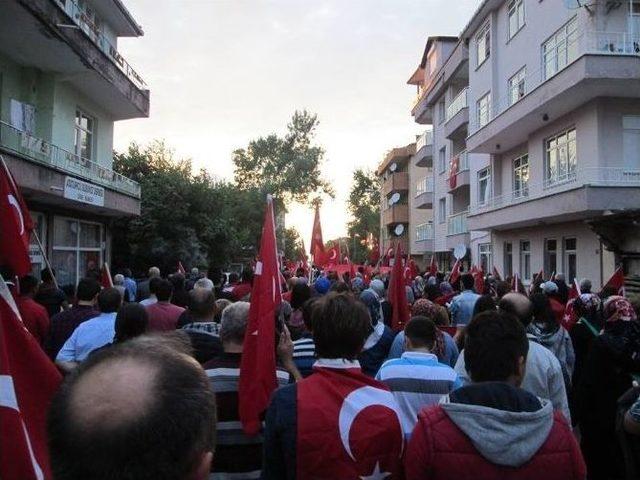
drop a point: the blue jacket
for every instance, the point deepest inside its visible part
(280, 435)
(372, 357)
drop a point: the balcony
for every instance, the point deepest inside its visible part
(457, 231)
(396, 182)
(582, 194)
(457, 116)
(423, 240)
(399, 155)
(43, 153)
(462, 176)
(424, 150)
(425, 193)
(598, 64)
(397, 213)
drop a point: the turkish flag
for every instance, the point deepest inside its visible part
(455, 273)
(348, 427)
(478, 280)
(574, 291)
(616, 281)
(105, 276)
(332, 256)
(28, 381)
(15, 225)
(453, 172)
(433, 266)
(410, 272)
(258, 364)
(317, 245)
(397, 293)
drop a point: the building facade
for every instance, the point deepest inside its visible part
(543, 99)
(63, 84)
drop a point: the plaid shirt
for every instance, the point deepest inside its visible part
(63, 324)
(211, 328)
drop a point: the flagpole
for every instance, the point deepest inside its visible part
(44, 256)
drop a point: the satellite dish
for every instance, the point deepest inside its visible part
(395, 198)
(390, 201)
(460, 251)
(399, 230)
(393, 167)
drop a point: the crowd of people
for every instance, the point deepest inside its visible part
(476, 384)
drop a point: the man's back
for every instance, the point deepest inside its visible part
(163, 316)
(462, 307)
(87, 337)
(50, 298)
(63, 324)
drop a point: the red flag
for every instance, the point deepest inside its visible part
(15, 225)
(258, 364)
(478, 280)
(616, 281)
(410, 272)
(496, 274)
(574, 291)
(455, 273)
(105, 276)
(317, 245)
(453, 172)
(28, 381)
(433, 266)
(398, 293)
(181, 268)
(332, 256)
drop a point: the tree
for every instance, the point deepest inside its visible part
(287, 167)
(292, 243)
(364, 209)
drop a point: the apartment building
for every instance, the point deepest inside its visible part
(421, 200)
(63, 84)
(552, 113)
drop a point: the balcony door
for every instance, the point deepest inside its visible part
(631, 142)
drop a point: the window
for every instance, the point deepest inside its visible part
(561, 157)
(521, 176)
(84, 134)
(525, 260)
(508, 259)
(483, 44)
(441, 112)
(560, 50)
(442, 210)
(484, 186)
(483, 110)
(517, 86)
(631, 141)
(551, 256)
(442, 160)
(516, 16)
(485, 254)
(570, 258)
(424, 232)
(35, 255)
(431, 59)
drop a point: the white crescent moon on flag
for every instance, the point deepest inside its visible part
(333, 255)
(357, 401)
(14, 203)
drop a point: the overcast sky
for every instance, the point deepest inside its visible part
(222, 72)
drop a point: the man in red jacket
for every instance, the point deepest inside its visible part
(491, 428)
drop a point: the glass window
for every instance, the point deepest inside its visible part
(525, 260)
(65, 232)
(561, 157)
(570, 258)
(560, 50)
(442, 160)
(83, 134)
(484, 186)
(551, 256)
(485, 256)
(441, 111)
(521, 176)
(442, 210)
(90, 235)
(483, 43)
(483, 110)
(64, 262)
(516, 16)
(517, 86)
(508, 259)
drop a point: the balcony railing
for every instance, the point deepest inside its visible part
(81, 19)
(424, 232)
(457, 223)
(457, 104)
(594, 176)
(462, 160)
(425, 139)
(45, 153)
(425, 185)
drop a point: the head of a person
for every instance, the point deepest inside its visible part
(177, 280)
(234, 277)
(154, 272)
(203, 283)
(87, 291)
(118, 279)
(300, 293)
(341, 325)
(467, 281)
(340, 287)
(216, 276)
(541, 310)
(377, 286)
(419, 333)
(322, 285)
(164, 290)
(559, 279)
(446, 288)
(195, 272)
(550, 289)
(502, 288)
(140, 409)
(307, 312)
(588, 305)
(46, 275)
(372, 302)
(585, 285)
(109, 300)
(424, 308)
(202, 305)
(518, 305)
(131, 321)
(618, 309)
(247, 275)
(485, 303)
(496, 348)
(431, 291)
(28, 285)
(153, 284)
(234, 325)
(221, 304)
(126, 272)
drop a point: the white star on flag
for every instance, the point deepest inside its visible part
(376, 474)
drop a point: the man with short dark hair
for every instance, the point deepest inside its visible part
(151, 298)
(163, 315)
(198, 321)
(143, 289)
(34, 316)
(492, 428)
(93, 333)
(136, 410)
(64, 323)
(462, 305)
(49, 295)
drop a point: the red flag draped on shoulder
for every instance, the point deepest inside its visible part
(105, 276)
(317, 245)
(258, 364)
(616, 281)
(15, 225)
(28, 381)
(398, 293)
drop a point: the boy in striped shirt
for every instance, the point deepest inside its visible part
(417, 379)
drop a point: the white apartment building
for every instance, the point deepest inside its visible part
(63, 84)
(421, 200)
(552, 102)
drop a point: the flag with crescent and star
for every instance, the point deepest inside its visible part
(317, 245)
(15, 225)
(348, 426)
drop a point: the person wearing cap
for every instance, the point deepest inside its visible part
(321, 286)
(550, 289)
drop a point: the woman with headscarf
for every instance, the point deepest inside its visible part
(613, 361)
(446, 294)
(376, 348)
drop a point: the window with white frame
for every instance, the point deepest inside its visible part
(485, 257)
(561, 49)
(441, 112)
(442, 210)
(483, 44)
(483, 110)
(516, 16)
(84, 128)
(521, 176)
(525, 260)
(551, 256)
(560, 161)
(517, 86)
(570, 258)
(484, 186)
(442, 160)
(424, 232)
(508, 259)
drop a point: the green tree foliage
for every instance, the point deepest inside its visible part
(292, 243)
(364, 209)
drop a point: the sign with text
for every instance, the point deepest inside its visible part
(84, 192)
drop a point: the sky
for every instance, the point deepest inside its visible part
(223, 72)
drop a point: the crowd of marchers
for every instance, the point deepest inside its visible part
(491, 384)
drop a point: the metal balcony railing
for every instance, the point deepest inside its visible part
(457, 104)
(457, 223)
(424, 232)
(45, 153)
(425, 139)
(425, 185)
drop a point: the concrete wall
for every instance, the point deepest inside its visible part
(417, 216)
